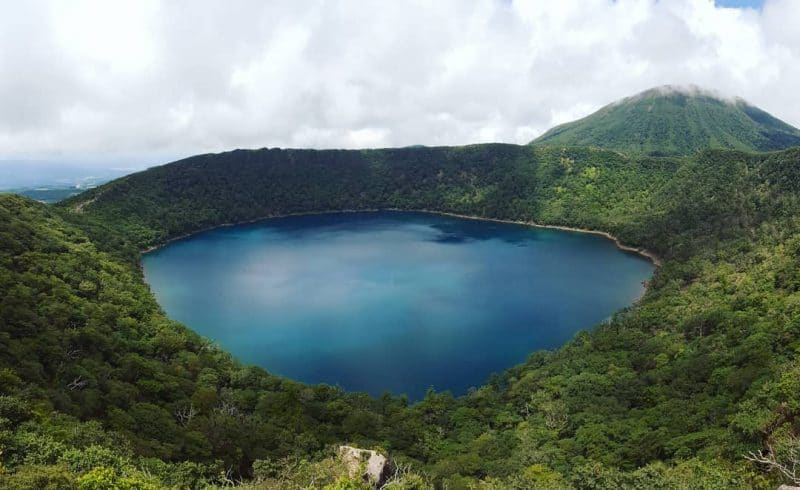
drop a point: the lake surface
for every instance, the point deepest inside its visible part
(391, 301)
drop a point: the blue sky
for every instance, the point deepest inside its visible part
(740, 3)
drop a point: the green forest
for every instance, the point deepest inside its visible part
(674, 121)
(100, 389)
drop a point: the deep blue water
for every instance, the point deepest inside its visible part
(391, 301)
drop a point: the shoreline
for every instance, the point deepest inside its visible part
(653, 258)
(163, 244)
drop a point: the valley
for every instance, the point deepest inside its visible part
(672, 392)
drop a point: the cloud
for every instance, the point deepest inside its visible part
(150, 79)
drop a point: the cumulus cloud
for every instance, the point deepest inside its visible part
(147, 79)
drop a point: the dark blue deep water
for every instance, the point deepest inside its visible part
(391, 301)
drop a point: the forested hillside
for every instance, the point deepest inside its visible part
(93, 374)
(582, 187)
(671, 393)
(676, 121)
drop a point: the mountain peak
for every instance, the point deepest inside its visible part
(676, 120)
(688, 90)
(680, 91)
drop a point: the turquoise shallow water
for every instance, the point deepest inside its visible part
(391, 301)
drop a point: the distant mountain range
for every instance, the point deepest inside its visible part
(676, 121)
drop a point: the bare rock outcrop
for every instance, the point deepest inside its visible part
(372, 466)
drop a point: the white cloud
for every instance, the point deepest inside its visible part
(144, 79)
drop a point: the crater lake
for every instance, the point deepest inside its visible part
(391, 301)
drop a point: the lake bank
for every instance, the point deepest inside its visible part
(652, 257)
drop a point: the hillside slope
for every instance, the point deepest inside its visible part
(675, 121)
(83, 341)
(687, 366)
(668, 394)
(496, 181)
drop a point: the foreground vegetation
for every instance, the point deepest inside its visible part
(99, 386)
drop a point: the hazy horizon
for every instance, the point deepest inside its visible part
(136, 84)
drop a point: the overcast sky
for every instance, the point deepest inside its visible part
(149, 81)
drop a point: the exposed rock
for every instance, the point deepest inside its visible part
(372, 466)
(788, 487)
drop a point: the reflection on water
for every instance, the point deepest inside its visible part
(391, 301)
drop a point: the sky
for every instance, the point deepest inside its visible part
(757, 4)
(147, 81)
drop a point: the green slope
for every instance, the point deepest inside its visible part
(83, 341)
(670, 393)
(681, 385)
(494, 180)
(673, 121)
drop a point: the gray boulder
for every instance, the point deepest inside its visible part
(372, 466)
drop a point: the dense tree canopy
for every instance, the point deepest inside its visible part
(676, 121)
(98, 384)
